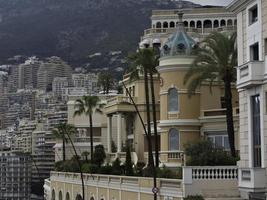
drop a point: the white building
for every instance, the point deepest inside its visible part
(252, 87)
(88, 81)
(58, 85)
(15, 179)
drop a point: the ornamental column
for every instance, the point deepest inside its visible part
(119, 118)
(109, 132)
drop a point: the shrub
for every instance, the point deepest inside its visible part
(165, 173)
(59, 166)
(116, 167)
(106, 169)
(89, 168)
(99, 155)
(139, 168)
(86, 168)
(196, 197)
(204, 154)
(128, 163)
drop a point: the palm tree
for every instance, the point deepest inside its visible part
(142, 62)
(87, 106)
(85, 154)
(61, 131)
(216, 61)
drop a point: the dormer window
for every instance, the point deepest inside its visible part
(253, 14)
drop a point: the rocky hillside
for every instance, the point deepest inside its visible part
(74, 29)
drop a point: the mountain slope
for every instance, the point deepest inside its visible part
(73, 29)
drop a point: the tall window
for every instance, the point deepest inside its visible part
(265, 46)
(253, 14)
(254, 51)
(173, 139)
(256, 130)
(173, 100)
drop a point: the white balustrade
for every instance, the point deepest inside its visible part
(214, 172)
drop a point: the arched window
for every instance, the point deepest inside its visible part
(173, 139)
(53, 195)
(229, 22)
(186, 23)
(192, 24)
(92, 198)
(78, 197)
(216, 24)
(60, 195)
(172, 24)
(158, 25)
(222, 22)
(199, 24)
(207, 24)
(165, 24)
(172, 100)
(68, 196)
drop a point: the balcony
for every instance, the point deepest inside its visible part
(252, 179)
(119, 103)
(250, 74)
(169, 158)
(190, 30)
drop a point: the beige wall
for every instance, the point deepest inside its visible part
(114, 187)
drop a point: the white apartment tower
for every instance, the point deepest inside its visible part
(252, 88)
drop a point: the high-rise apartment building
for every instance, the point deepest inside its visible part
(15, 176)
(53, 67)
(27, 73)
(58, 85)
(88, 81)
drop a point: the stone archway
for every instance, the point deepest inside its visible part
(79, 197)
(68, 196)
(53, 195)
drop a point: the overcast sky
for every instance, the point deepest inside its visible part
(212, 2)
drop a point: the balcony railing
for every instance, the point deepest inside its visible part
(119, 100)
(250, 74)
(188, 29)
(169, 156)
(214, 172)
(86, 139)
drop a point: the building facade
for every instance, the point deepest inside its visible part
(252, 88)
(15, 176)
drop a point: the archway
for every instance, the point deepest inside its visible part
(186, 23)
(223, 22)
(172, 24)
(216, 23)
(78, 197)
(229, 22)
(53, 195)
(158, 25)
(207, 24)
(165, 24)
(192, 24)
(199, 24)
(68, 196)
(60, 196)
